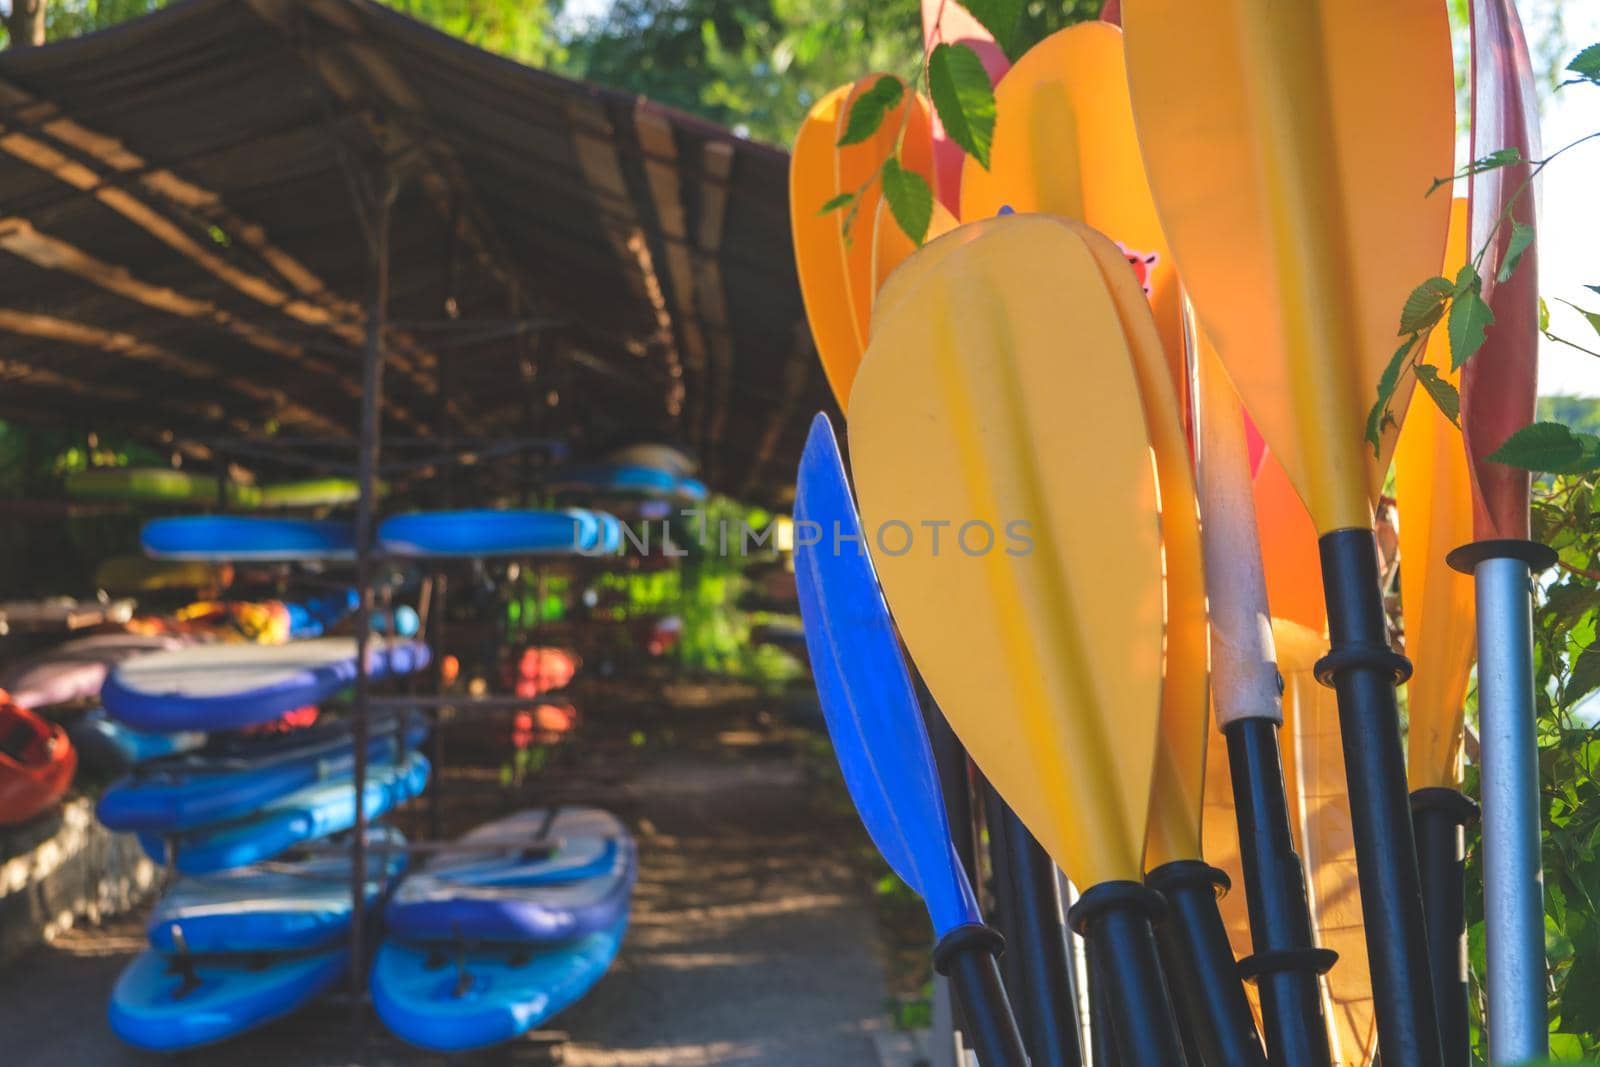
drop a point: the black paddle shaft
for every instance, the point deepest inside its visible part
(1039, 960)
(1116, 920)
(1286, 964)
(966, 955)
(1363, 670)
(1438, 816)
(1218, 1028)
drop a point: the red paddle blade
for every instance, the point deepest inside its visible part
(1499, 384)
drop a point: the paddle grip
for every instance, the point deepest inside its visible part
(1039, 971)
(966, 955)
(1201, 975)
(1116, 920)
(1363, 671)
(1103, 1050)
(1438, 816)
(1286, 965)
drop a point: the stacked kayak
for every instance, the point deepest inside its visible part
(484, 533)
(75, 670)
(109, 747)
(234, 950)
(224, 538)
(36, 763)
(227, 687)
(483, 947)
(626, 479)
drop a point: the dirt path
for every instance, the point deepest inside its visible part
(753, 940)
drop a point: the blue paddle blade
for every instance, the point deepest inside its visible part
(867, 699)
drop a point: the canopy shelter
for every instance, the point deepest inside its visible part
(201, 210)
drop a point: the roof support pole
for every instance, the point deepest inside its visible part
(367, 478)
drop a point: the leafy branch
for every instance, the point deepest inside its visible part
(1460, 305)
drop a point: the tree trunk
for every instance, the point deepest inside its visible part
(25, 23)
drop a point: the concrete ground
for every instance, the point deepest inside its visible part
(753, 940)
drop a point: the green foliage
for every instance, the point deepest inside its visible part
(1000, 18)
(964, 98)
(910, 199)
(1470, 317)
(1586, 65)
(869, 109)
(520, 29)
(1550, 447)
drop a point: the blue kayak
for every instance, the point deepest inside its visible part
(229, 537)
(319, 614)
(620, 479)
(272, 907)
(536, 876)
(227, 687)
(489, 533)
(112, 748)
(232, 780)
(166, 1004)
(452, 998)
(306, 815)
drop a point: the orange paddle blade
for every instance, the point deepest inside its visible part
(891, 245)
(817, 258)
(1434, 493)
(1064, 144)
(957, 425)
(1291, 181)
(1288, 548)
(855, 169)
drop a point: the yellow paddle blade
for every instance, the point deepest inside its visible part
(1064, 144)
(969, 420)
(1434, 493)
(1321, 808)
(855, 168)
(817, 258)
(891, 246)
(1289, 147)
(1173, 831)
(1288, 548)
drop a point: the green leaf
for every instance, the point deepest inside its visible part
(1586, 64)
(1585, 677)
(1502, 157)
(1425, 306)
(1593, 317)
(964, 98)
(867, 113)
(1380, 416)
(1544, 316)
(1470, 317)
(999, 17)
(910, 199)
(1443, 393)
(1550, 447)
(1521, 239)
(1593, 289)
(835, 203)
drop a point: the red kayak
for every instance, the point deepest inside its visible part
(36, 763)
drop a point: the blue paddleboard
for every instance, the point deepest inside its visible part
(453, 998)
(226, 687)
(489, 533)
(229, 537)
(112, 748)
(535, 878)
(235, 778)
(272, 907)
(155, 1005)
(305, 815)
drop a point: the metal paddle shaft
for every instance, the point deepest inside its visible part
(1218, 1028)
(1038, 966)
(1364, 671)
(1513, 872)
(1117, 921)
(1438, 816)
